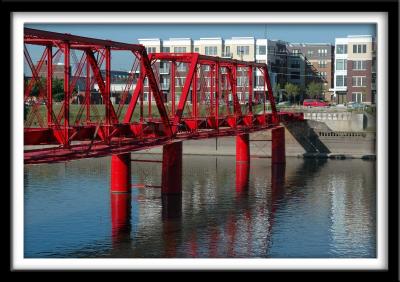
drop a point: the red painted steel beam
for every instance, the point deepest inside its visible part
(185, 91)
(30, 34)
(102, 86)
(67, 93)
(49, 85)
(156, 93)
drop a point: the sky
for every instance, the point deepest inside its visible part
(129, 33)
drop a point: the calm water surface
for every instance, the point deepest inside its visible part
(307, 209)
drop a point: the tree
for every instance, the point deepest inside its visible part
(58, 89)
(292, 91)
(276, 90)
(315, 89)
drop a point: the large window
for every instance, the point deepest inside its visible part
(211, 50)
(341, 49)
(341, 64)
(359, 65)
(310, 53)
(179, 49)
(295, 75)
(341, 80)
(358, 97)
(261, 50)
(271, 50)
(359, 81)
(359, 48)
(322, 52)
(295, 64)
(322, 64)
(166, 49)
(243, 50)
(295, 51)
(151, 50)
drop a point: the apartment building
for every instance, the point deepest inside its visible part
(355, 69)
(241, 48)
(312, 62)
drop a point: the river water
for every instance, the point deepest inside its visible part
(308, 208)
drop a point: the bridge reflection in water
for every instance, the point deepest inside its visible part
(306, 208)
(171, 219)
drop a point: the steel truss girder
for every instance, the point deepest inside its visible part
(132, 135)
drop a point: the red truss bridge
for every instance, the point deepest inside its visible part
(202, 99)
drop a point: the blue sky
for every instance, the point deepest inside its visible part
(129, 33)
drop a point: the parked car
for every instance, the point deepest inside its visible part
(314, 103)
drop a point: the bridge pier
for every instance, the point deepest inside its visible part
(242, 162)
(242, 148)
(121, 173)
(278, 145)
(171, 182)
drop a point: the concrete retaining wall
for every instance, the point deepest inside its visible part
(303, 139)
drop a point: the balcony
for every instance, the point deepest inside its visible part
(227, 55)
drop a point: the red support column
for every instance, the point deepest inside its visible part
(242, 148)
(121, 173)
(172, 169)
(49, 85)
(278, 145)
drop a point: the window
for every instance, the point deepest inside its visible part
(341, 64)
(323, 74)
(358, 97)
(179, 49)
(341, 80)
(243, 50)
(322, 64)
(322, 52)
(227, 50)
(211, 50)
(196, 49)
(359, 65)
(295, 51)
(166, 49)
(359, 81)
(341, 49)
(271, 50)
(359, 48)
(181, 67)
(151, 50)
(295, 75)
(295, 64)
(261, 50)
(310, 53)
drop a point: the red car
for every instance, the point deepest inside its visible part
(314, 103)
